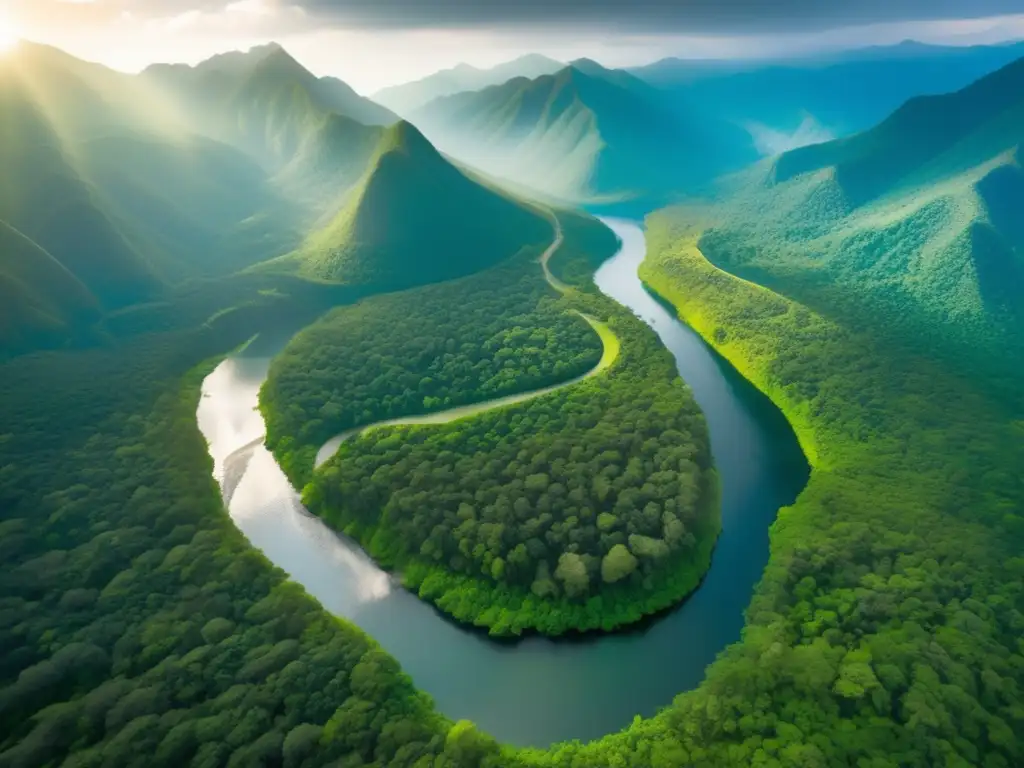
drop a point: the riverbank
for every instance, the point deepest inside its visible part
(550, 690)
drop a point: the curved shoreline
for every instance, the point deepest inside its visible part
(551, 689)
(609, 341)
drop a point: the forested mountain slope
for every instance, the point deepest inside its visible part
(102, 178)
(415, 218)
(40, 300)
(584, 133)
(918, 217)
(407, 97)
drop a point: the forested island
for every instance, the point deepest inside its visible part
(871, 286)
(585, 509)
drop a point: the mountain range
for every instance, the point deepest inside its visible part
(792, 101)
(918, 217)
(408, 97)
(118, 188)
(584, 134)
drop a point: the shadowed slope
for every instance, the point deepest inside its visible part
(40, 300)
(414, 219)
(583, 133)
(917, 219)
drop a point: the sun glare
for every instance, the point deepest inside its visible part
(8, 35)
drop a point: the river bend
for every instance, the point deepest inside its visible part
(538, 690)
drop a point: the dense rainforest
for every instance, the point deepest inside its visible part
(492, 334)
(138, 628)
(586, 508)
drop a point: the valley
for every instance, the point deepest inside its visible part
(359, 431)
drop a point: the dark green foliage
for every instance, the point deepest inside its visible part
(415, 219)
(518, 518)
(40, 301)
(138, 626)
(886, 630)
(493, 334)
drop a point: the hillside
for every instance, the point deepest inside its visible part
(44, 197)
(408, 97)
(415, 218)
(263, 101)
(119, 193)
(917, 218)
(778, 101)
(41, 302)
(583, 134)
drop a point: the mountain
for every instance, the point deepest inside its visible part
(45, 198)
(918, 218)
(836, 94)
(413, 219)
(120, 194)
(408, 97)
(263, 101)
(41, 302)
(585, 133)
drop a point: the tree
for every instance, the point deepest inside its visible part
(572, 572)
(617, 564)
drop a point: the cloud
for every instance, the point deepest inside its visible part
(663, 16)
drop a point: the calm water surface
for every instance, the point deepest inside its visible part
(536, 691)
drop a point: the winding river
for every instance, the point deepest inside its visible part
(536, 691)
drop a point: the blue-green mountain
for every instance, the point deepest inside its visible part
(585, 133)
(788, 102)
(408, 97)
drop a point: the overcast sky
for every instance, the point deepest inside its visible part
(374, 43)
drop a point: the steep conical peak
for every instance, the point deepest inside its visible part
(405, 138)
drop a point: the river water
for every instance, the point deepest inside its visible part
(536, 691)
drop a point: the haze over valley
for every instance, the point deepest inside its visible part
(478, 385)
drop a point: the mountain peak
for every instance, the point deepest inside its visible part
(406, 138)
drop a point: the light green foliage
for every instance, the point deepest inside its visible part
(916, 220)
(617, 564)
(572, 572)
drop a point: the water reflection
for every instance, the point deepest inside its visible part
(536, 691)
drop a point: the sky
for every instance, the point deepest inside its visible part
(374, 43)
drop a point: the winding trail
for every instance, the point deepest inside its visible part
(609, 341)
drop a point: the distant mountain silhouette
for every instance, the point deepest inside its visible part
(408, 97)
(584, 133)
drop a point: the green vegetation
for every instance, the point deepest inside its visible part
(911, 221)
(584, 133)
(41, 303)
(415, 219)
(586, 508)
(492, 334)
(138, 624)
(886, 630)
